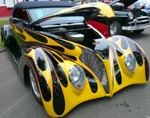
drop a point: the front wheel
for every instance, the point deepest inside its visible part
(34, 86)
(115, 28)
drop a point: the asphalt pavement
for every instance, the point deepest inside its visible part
(17, 101)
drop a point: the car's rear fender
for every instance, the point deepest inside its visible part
(8, 36)
(5, 32)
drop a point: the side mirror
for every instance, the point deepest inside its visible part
(15, 20)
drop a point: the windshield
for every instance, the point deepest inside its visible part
(39, 13)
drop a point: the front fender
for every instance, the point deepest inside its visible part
(57, 92)
(120, 47)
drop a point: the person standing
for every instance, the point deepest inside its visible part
(138, 4)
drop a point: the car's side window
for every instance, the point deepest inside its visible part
(21, 14)
(17, 13)
(25, 16)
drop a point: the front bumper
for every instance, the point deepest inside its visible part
(134, 28)
(138, 23)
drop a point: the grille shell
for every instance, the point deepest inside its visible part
(140, 18)
(93, 62)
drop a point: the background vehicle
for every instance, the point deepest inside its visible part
(102, 20)
(134, 20)
(67, 61)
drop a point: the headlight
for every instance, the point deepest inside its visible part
(77, 77)
(130, 15)
(130, 62)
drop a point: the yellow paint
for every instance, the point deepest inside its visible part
(104, 8)
(74, 97)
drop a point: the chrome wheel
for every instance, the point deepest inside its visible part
(34, 85)
(115, 28)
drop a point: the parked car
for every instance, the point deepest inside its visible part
(134, 20)
(144, 5)
(67, 61)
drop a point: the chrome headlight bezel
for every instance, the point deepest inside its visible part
(130, 62)
(130, 15)
(77, 76)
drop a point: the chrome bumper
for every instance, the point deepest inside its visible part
(138, 23)
(133, 28)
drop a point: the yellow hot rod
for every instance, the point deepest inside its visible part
(66, 60)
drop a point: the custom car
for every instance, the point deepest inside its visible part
(128, 20)
(65, 60)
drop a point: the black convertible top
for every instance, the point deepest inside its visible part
(41, 4)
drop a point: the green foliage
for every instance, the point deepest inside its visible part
(2, 22)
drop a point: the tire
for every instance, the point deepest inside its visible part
(4, 40)
(115, 28)
(9, 42)
(139, 31)
(34, 86)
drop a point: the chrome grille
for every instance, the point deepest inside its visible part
(142, 20)
(93, 62)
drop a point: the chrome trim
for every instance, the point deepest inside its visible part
(129, 58)
(133, 28)
(34, 85)
(96, 65)
(138, 23)
(142, 17)
(142, 21)
(60, 25)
